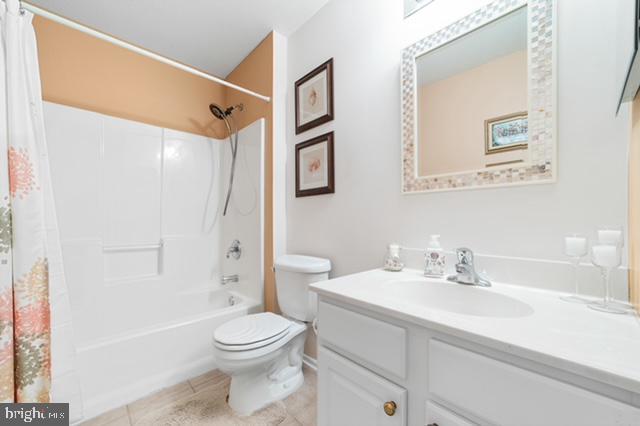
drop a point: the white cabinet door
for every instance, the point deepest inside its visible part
(503, 394)
(440, 416)
(350, 395)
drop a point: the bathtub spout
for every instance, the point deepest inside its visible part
(226, 279)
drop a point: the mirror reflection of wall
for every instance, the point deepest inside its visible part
(412, 6)
(472, 100)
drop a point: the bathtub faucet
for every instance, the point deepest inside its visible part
(235, 250)
(226, 279)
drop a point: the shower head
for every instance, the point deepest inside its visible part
(217, 111)
(220, 114)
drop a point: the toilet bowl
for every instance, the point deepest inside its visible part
(263, 352)
(263, 368)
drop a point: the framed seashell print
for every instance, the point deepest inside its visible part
(314, 166)
(314, 97)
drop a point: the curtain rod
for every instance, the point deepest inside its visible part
(139, 50)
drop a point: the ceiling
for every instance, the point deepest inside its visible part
(211, 35)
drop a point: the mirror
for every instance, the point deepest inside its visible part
(478, 101)
(472, 99)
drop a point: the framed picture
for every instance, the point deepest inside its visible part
(506, 133)
(314, 166)
(314, 98)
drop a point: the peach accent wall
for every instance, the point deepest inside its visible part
(83, 72)
(634, 206)
(256, 73)
(452, 114)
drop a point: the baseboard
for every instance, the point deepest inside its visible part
(127, 394)
(310, 362)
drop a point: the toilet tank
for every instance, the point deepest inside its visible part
(294, 273)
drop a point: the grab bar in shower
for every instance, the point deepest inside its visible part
(133, 247)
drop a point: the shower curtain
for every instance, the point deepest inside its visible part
(32, 288)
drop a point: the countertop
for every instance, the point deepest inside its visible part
(572, 337)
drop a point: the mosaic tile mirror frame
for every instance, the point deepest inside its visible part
(541, 166)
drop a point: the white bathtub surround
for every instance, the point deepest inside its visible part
(244, 220)
(487, 355)
(144, 242)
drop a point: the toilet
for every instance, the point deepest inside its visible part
(263, 352)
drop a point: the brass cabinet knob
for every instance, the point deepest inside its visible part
(390, 408)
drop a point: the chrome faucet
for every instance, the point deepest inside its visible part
(465, 270)
(235, 250)
(226, 279)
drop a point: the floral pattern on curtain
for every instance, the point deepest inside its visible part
(25, 323)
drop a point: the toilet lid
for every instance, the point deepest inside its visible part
(250, 329)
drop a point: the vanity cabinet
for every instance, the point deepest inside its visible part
(349, 394)
(374, 369)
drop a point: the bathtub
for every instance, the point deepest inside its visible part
(119, 369)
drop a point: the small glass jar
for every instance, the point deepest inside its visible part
(392, 261)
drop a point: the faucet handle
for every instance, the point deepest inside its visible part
(235, 250)
(465, 256)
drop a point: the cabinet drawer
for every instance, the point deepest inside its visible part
(352, 395)
(382, 344)
(504, 394)
(438, 415)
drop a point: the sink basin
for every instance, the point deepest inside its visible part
(460, 299)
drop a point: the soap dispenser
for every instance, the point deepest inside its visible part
(434, 258)
(392, 261)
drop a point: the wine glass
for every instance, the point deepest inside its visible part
(613, 235)
(607, 257)
(575, 246)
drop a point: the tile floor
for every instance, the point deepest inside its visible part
(300, 407)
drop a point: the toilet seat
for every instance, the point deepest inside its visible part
(251, 332)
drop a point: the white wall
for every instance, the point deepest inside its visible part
(279, 126)
(367, 211)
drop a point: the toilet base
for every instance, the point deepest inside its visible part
(248, 394)
(265, 382)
